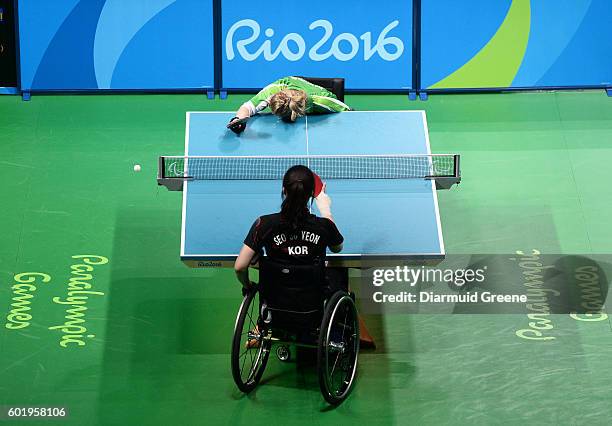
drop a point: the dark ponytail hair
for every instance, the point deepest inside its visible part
(298, 185)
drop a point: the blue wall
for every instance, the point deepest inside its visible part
(370, 46)
(170, 44)
(116, 44)
(567, 43)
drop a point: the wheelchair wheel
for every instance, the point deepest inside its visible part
(250, 350)
(338, 348)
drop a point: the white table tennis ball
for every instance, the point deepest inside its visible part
(137, 168)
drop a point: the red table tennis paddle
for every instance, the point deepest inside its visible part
(318, 185)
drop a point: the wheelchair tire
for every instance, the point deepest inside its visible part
(247, 320)
(338, 348)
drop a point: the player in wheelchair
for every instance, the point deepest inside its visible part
(297, 300)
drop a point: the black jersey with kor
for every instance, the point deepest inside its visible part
(284, 244)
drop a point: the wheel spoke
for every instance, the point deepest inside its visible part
(248, 354)
(335, 363)
(344, 322)
(242, 366)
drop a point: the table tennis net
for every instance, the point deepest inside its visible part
(327, 167)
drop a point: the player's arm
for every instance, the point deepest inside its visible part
(243, 112)
(256, 104)
(241, 267)
(336, 249)
(328, 104)
(338, 240)
(259, 102)
(323, 202)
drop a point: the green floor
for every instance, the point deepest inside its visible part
(535, 172)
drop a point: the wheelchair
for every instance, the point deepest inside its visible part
(292, 305)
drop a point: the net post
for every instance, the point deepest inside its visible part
(161, 167)
(457, 172)
(162, 179)
(446, 182)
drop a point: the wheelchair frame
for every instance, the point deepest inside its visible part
(337, 351)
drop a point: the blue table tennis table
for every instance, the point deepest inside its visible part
(386, 220)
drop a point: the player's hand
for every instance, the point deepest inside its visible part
(237, 125)
(324, 202)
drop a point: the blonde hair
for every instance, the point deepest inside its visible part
(289, 104)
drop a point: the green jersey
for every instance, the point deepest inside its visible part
(318, 99)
